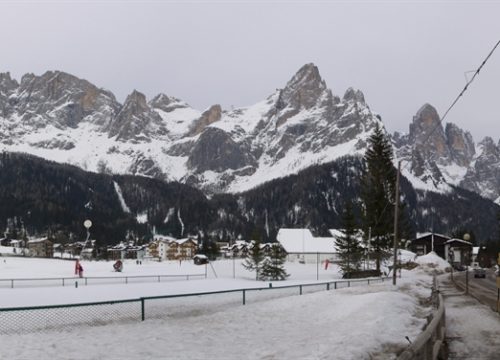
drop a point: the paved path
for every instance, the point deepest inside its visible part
(472, 329)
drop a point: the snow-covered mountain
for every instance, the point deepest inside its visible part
(66, 119)
(435, 156)
(60, 117)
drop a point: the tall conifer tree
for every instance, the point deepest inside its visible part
(378, 192)
(273, 267)
(254, 259)
(348, 247)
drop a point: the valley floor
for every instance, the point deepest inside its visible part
(362, 322)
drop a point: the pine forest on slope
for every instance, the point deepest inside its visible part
(47, 197)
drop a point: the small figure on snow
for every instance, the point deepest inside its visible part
(80, 270)
(118, 266)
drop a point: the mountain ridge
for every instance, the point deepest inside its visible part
(66, 119)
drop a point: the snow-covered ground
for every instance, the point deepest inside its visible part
(362, 322)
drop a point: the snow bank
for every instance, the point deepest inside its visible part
(407, 256)
(432, 262)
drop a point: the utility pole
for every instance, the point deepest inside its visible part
(396, 213)
(369, 246)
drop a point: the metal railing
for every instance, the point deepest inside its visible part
(93, 280)
(429, 344)
(59, 317)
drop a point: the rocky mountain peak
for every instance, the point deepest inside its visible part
(27, 78)
(137, 101)
(488, 147)
(460, 143)
(426, 132)
(62, 100)
(209, 116)
(425, 121)
(166, 103)
(136, 120)
(354, 95)
(304, 89)
(55, 85)
(7, 84)
(483, 176)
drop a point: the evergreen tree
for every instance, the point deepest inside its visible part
(273, 267)
(348, 247)
(210, 249)
(378, 183)
(254, 259)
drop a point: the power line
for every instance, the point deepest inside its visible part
(446, 113)
(466, 87)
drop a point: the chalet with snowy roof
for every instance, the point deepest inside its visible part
(183, 249)
(240, 248)
(41, 247)
(427, 242)
(302, 246)
(458, 252)
(17, 243)
(117, 252)
(126, 251)
(168, 248)
(72, 249)
(163, 245)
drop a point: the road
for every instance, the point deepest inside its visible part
(471, 328)
(485, 290)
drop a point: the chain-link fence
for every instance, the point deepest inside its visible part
(61, 317)
(104, 280)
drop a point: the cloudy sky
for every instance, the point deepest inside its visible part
(401, 54)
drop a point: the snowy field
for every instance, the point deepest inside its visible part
(361, 322)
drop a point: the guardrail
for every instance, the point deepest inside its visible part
(58, 317)
(92, 280)
(429, 344)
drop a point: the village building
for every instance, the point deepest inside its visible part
(303, 247)
(168, 248)
(127, 251)
(183, 249)
(239, 249)
(40, 248)
(427, 242)
(458, 252)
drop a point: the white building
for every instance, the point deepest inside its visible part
(302, 246)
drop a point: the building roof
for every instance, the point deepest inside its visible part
(425, 234)
(185, 240)
(301, 241)
(459, 240)
(158, 237)
(34, 241)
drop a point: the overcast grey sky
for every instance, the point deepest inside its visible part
(401, 54)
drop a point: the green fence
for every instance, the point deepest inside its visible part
(77, 281)
(62, 317)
